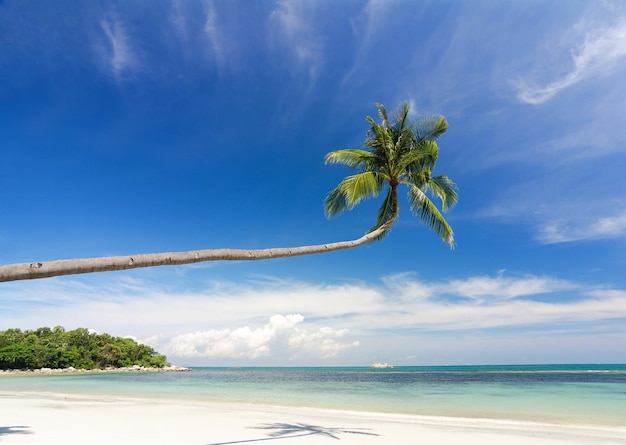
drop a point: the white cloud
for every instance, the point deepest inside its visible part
(478, 288)
(297, 33)
(117, 52)
(178, 17)
(609, 226)
(214, 34)
(375, 12)
(501, 287)
(559, 231)
(228, 321)
(365, 27)
(322, 343)
(599, 51)
(282, 332)
(555, 232)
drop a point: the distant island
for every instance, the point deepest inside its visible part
(80, 349)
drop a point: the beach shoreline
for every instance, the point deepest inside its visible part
(57, 418)
(72, 370)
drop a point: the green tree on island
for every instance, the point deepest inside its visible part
(397, 152)
(81, 349)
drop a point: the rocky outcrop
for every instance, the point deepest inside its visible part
(135, 368)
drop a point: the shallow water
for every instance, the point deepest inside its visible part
(580, 394)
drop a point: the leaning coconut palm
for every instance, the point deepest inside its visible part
(396, 153)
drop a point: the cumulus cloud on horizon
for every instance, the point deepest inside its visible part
(282, 332)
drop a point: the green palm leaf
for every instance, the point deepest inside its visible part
(387, 212)
(446, 190)
(396, 152)
(350, 157)
(382, 112)
(401, 118)
(351, 191)
(431, 128)
(429, 214)
(420, 158)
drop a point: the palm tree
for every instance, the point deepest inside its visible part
(397, 152)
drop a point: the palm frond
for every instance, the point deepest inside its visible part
(352, 157)
(382, 112)
(419, 179)
(396, 151)
(421, 157)
(445, 189)
(429, 214)
(431, 128)
(351, 191)
(401, 117)
(380, 141)
(387, 212)
(379, 136)
(335, 203)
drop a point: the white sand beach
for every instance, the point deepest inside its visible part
(55, 419)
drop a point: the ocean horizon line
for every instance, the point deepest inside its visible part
(481, 365)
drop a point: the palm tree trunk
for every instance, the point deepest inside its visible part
(29, 271)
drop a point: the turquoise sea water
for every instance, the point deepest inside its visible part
(579, 394)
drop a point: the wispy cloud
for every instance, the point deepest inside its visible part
(296, 32)
(482, 288)
(559, 231)
(117, 52)
(599, 51)
(178, 17)
(485, 302)
(375, 12)
(476, 289)
(229, 320)
(365, 26)
(214, 34)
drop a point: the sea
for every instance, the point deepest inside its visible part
(556, 394)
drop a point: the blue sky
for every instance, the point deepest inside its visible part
(135, 127)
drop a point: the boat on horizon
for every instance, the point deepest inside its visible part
(382, 365)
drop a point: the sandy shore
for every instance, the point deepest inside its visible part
(53, 419)
(71, 370)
